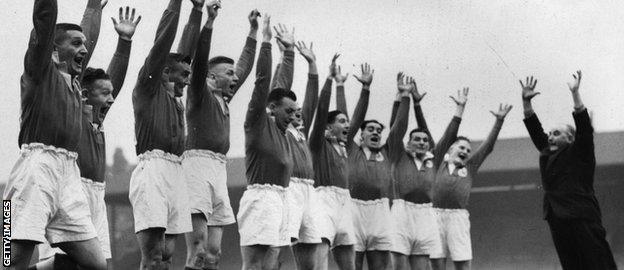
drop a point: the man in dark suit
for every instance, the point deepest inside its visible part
(567, 164)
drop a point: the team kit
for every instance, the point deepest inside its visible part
(313, 188)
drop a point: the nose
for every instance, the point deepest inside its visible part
(235, 78)
(83, 50)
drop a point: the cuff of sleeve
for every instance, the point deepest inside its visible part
(457, 119)
(579, 111)
(195, 16)
(290, 54)
(313, 76)
(531, 118)
(266, 45)
(123, 46)
(250, 42)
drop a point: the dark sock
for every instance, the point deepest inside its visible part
(64, 262)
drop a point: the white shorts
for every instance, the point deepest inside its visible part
(303, 210)
(373, 225)
(206, 177)
(95, 195)
(47, 200)
(158, 194)
(455, 234)
(416, 229)
(263, 216)
(336, 219)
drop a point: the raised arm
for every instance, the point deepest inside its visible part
(165, 35)
(341, 100)
(310, 100)
(41, 44)
(322, 111)
(362, 106)
(418, 112)
(90, 24)
(246, 60)
(399, 127)
(200, 60)
(285, 71)
(118, 66)
(532, 123)
(584, 136)
(487, 146)
(256, 112)
(190, 34)
(450, 134)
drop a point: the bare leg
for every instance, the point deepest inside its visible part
(21, 252)
(87, 254)
(379, 259)
(359, 260)
(213, 247)
(270, 261)
(152, 245)
(253, 256)
(419, 262)
(438, 264)
(196, 241)
(169, 249)
(308, 256)
(462, 265)
(400, 261)
(345, 257)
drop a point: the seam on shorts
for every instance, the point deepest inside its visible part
(27, 149)
(267, 186)
(305, 181)
(204, 153)
(159, 154)
(95, 185)
(371, 202)
(411, 204)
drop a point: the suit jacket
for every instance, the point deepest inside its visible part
(568, 173)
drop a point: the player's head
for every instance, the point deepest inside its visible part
(560, 136)
(371, 134)
(223, 71)
(283, 106)
(97, 88)
(419, 142)
(298, 122)
(177, 71)
(460, 151)
(69, 46)
(338, 125)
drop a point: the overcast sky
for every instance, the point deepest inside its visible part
(445, 45)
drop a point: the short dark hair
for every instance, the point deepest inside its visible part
(278, 94)
(416, 130)
(462, 138)
(61, 29)
(331, 117)
(219, 60)
(365, 123)
(174, 58)
(91, 75)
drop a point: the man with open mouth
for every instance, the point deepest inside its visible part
(213, 85)
(567, 164)
(48, 202)
(451, 191)
(417, 234)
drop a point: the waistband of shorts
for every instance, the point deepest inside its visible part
(267, 187)
(446, 210)
(204, 153)
(31, 147)
(342, 191)
(94, 184)
(159, 154)
(371, 202)
(411, 204)
(298, 180)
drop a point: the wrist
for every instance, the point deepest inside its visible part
(365, 86)
(125, 37)
(339, 83)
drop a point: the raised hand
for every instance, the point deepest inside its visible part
(339, 77)
(253, 19)
(198, 4)
(404, 83)
(267, 35)
(287, 39)
(213, 9)
(462, 97)
(332, 66)
(367, 75)
(502, 112)
(306, 52)
(574, 86)
(416, 96)
(528, 88)
(126, 25)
